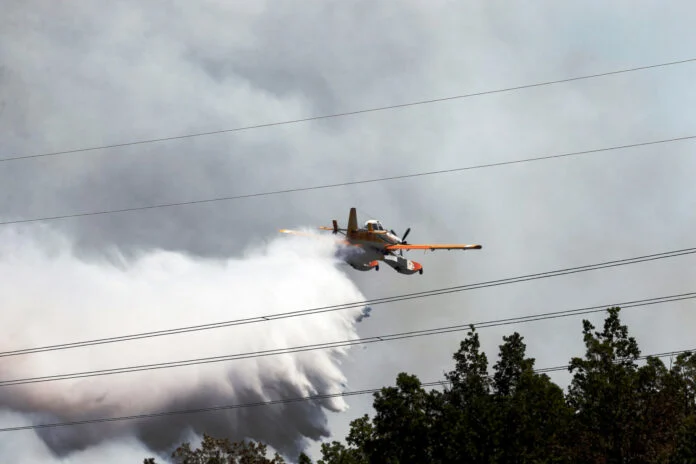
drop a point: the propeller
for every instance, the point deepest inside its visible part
(405, 234)
(403, 239)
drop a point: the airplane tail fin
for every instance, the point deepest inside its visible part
(352, 220)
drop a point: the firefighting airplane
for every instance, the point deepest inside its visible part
(375, 244)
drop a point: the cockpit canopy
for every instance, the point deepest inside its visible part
(376, 225)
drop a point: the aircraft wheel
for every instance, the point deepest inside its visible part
(377, 268)
(420, 271)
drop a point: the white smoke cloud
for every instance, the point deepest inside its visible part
(50, 297)
(28, 448)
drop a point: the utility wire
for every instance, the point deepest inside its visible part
(348, 113)
(352, 305)
(279, 401)
(345, 343)
(356, 304)
(644, 357)
(343, 184)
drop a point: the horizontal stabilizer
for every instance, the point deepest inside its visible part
(337, 229)
(306, 234)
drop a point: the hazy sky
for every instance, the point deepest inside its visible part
(74, 76)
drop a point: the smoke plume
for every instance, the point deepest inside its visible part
(49, 297)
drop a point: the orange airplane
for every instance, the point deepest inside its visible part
(375, 244)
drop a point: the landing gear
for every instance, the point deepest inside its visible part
(377, 268)
(420, 271)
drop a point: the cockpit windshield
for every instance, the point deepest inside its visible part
(375, 225)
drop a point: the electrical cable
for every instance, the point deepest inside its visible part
(343, 184)
(343, 343)
(279, 401)
(348, 113)
(356, 304)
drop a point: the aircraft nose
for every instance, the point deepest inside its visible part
(417, 266)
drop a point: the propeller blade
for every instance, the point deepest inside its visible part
(405, 234)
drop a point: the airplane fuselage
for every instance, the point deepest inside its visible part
(371, 243)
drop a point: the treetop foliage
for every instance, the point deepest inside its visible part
(614, 411)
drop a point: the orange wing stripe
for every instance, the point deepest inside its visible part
(434, 247)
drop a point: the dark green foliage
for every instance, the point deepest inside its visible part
(222, 451)
(531, 416)
(615, 411)
(603, 393)
(618, 409)
(466, 407)
(336, 453)
(361, 432)
(683, 384)
(404, 415)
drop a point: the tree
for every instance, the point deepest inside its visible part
(222, 451)
(603, 393)
(685, 446)
(683, 375)
(511, 365)
(615, 411)
(466, 425)
(403, 415)
(531, 415)
(336, 453)
(359, 438)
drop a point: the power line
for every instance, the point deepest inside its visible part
(545, 370)
(352, 305)
(348, 113)
(344, 184)
(279, 401)
(343, 343)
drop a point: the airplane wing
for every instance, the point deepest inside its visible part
(433, 247)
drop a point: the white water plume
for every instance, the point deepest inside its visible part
(50, 297)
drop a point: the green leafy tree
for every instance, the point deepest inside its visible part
(403, 415)
(336, 453)
(222, 451)
(615, 411)
(360, 435)
(685, 446)
(511, 366)
(466, 426)
(605, 394)
(359, 438)
(683, 374)
(531, 415)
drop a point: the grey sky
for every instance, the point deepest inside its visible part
(81, 76)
